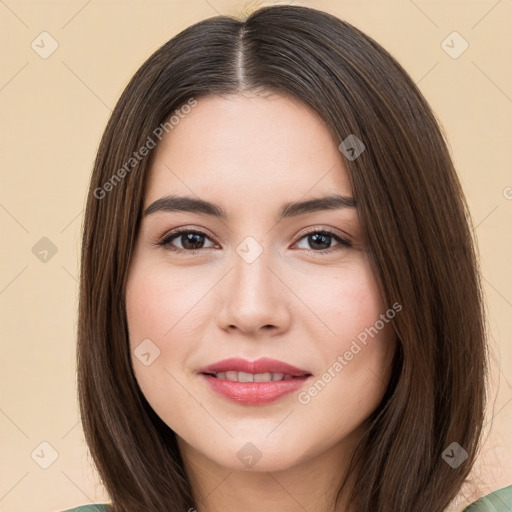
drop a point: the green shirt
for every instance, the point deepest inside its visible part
(497, 501)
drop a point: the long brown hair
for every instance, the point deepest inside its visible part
(415, 221)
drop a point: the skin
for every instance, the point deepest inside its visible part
(251, 154)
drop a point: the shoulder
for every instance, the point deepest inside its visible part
(497, 501)
(90, 508)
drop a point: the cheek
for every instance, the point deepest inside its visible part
(346, 301)
(147, 306)
(152, 311)
(156, 308)
(357, 351)
(160, 301)
(168, 307)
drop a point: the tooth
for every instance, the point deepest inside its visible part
(245, 377)
(262, 377)
(252, 377)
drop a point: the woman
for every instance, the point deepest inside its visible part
(280, 305)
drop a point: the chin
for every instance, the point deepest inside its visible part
(267, 460)
(252, 451)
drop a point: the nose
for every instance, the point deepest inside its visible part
(254, 298)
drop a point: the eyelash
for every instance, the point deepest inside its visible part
(166, 241)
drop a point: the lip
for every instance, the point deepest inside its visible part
(254, 393)
(262, 365)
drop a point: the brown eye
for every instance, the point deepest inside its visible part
(320, 241)
(190, 240)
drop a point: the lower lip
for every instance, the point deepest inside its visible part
(254, 393)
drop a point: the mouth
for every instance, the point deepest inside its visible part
(253, 383)
(235, 376)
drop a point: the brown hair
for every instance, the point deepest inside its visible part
(415, 221)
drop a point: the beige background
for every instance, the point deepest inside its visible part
(53, 112)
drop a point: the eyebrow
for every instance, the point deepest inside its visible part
(173, 203)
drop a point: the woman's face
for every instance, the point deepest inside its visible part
(288, 283)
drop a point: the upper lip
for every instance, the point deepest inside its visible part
(262, 365)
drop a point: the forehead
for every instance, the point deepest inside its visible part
(250, 148)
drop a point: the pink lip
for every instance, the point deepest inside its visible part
(262, 365)
(254, 393)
